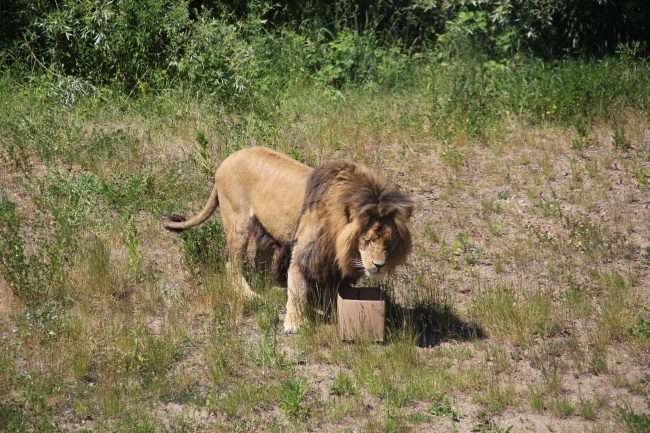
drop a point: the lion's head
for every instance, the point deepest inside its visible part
(352, 224)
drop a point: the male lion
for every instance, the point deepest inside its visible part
(352, 224)
(334, 223)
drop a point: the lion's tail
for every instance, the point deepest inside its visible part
(281, 263)
(177, 223)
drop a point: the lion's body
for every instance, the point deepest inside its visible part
(260, 193)
(334, 223)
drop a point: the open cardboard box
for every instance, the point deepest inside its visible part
(361, 313)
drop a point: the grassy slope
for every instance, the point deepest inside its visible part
(524, 304)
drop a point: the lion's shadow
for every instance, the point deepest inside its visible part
(429, 323)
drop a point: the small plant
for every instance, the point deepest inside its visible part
(267, 353)
(204, 246)
(619, 140)
(548, 208)
(561, 407)
(582, 139)
(537, 398)
(496, 397)
(641, 328)
(541, 232)
(133, 255)
(490, 206)
(452, 158)
(634, 422)
(431, 234)
(584, 234)
(292, 396)
(203, 159)
(488, 426)
(463, 248)
(443, 407)
(342, 385)
(16, 269)
(588, 409)
(641, 178)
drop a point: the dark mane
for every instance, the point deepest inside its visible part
(340, 192)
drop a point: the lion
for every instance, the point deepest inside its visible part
(330, 225)
(352, 224)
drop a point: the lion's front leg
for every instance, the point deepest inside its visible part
(297, 291)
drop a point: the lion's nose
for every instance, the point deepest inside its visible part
(378, 265)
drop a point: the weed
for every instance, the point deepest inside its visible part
(453, 158)
(548, 208)
(397, 396)
(496, 397)
(16, 268)
(134, 256)
(619, 140)
(490, 206)
(641, 328)
(292, 399)
(463, 248)
(443, 407)
(29, 412)
(488, 426)
(537, 398)
(641, 178)
(632, 421)
(203, 159)
(561, 407)
(588, 409)
(242, 398)
(432, 236)
(342, 385)
(204, 246)
(495, 226)
(619, 306)
(541, 232)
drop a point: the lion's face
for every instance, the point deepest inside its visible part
(376, 243)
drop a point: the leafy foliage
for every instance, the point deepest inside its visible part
(230, 49)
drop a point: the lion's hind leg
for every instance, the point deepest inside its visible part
(237, 235)
(236, 277)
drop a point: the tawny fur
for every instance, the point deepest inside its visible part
(260, 193)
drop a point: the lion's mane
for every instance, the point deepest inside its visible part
(345, 198)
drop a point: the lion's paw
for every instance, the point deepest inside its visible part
(291, 326)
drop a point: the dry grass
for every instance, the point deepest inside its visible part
(524, 304)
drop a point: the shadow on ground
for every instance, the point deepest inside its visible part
(429, 323)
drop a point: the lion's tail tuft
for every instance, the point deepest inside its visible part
(174, 218)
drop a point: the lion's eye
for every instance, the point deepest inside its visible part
(367, 242)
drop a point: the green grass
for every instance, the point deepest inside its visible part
(521, 279)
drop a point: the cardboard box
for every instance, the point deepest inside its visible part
(361, 313)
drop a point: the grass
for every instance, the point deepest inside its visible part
(524, 281)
